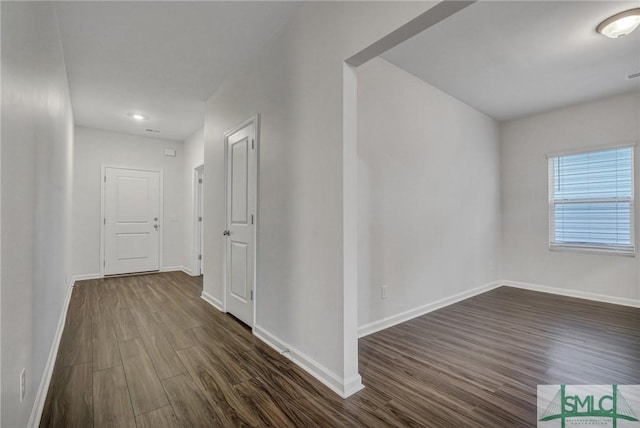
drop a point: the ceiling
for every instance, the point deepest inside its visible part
(507, 59)
(510, 59)
(160, 59)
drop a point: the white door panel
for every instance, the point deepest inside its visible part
(131, 222)
(241, 167)
(238, 278)
(132, 246)
(239, 181)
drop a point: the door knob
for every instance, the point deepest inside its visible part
(226, 233)
(156, 226)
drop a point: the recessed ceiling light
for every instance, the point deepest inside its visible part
(620, 24)
(137, 116)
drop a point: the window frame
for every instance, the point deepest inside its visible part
(629, 251)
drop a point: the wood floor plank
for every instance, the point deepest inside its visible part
(160, 418)
(162, 354)
(124, 324)
(233, 373)
(178, 337)
(76, 340)
(265, 405)
(105, 300)
(190, 407)
(77, 348)
(164, 358)
(145, 388)
(105, 344)
(72, 405)
(147, 325)
(476, 363)
(112, 404)
(205, 372)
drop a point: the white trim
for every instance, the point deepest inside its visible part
(591, 249)
(387, 322)
(350, 224)
(1, 239)
(98, 275)
(342, 387)
(169, 269)
(352, 385)
(87, 276)
(187, 270)
(616, 145)
(420, 23)
(103, 172)
(197, 199)
(382, 324)
(212, 301)
(258, 139)
(45, 381)
(634, 303)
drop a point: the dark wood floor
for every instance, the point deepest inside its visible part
(146, 351)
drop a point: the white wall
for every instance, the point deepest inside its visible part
(37, 158)
(193, 154)
(1, 108)
(429, 194)
(525, 143)
(93, 148)
(296, 86)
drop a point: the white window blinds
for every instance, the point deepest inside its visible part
(591, 200)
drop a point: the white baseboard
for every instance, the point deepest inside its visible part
(86, 276)
(164, 269)
(342, 387)
(573, 293)
(387, 322)
(41, 395)
(172, 268)
(352, 385)
(177, 269)
(212, 301)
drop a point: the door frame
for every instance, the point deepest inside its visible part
(255, 119)
(198, 226)
(103, 175)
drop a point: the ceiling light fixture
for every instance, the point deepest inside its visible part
(137, 116)
(620, 24)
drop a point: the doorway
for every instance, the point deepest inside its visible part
(131, 220)
(241, 170)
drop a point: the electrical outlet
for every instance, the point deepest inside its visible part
(23, 384)
(384, 291)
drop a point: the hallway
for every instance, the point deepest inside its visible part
(147, 351)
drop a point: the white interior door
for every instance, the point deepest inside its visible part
(131, 221)
(241, 187)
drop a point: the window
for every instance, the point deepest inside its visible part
(591, 201)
